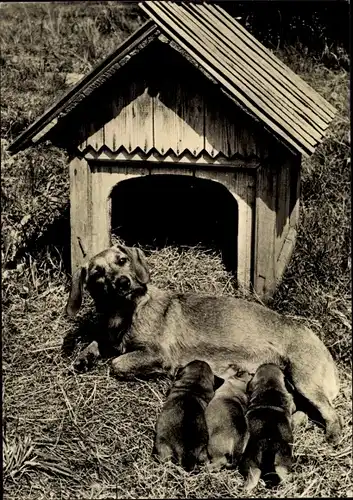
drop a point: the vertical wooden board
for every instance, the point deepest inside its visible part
(286, 201)
(282, 216)
(95, 135)
(132, 125)
(285, 254)
(265, 226)
(83, 137)
(294, 203)
(215, 136)
(80, 206)
(246, 144)
(100, 213)
(121, 123)
(189, 131)
(228, 132)
(243, 189)
(140, 114)
(111, 127)
(178, 119)
(165, 121)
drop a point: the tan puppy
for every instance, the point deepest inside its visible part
(269, 416)
(225, 417)
(156, 331)
(181, 431)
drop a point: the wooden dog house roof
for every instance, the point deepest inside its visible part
(247, 72)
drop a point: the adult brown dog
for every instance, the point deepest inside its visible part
(181, 430)
(269, 418)
(226, 424)
(157, 331)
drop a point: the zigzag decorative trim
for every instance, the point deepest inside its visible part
(105, 154)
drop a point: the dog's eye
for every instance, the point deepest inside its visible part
(122, 261)
(98, 272)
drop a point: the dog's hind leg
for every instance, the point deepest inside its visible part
(315, 394)
(299, 419)
(252, 478)
(314, 376)
(283, 465)
(250, 464)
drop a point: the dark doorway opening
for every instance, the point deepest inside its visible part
(159, 210)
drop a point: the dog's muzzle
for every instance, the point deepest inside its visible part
(123, 285)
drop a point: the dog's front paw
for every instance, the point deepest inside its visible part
(83, 364)
(87, 358)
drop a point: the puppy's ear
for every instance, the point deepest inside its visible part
(140, 264)
(75, 298)
(218, 381)
(289, 386)
(249, 385)
(177, 372)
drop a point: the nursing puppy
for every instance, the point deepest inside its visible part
(225, 417)
(269, 414)
(181, 431)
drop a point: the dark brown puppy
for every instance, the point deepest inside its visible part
(156, 331)
(181, 430)
(269, 416)
(225, 417)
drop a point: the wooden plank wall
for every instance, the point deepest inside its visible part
(282, 206)
(80, 212)
(265, 232)
(172, 117)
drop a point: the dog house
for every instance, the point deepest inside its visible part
(190, 93)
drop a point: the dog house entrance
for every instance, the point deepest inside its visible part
(159, 210)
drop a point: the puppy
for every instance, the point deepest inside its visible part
(269, 449)
(225, 417)
(181, 430)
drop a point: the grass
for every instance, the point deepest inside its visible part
(91, 436)
(69, 436)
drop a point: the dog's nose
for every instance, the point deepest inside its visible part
(123, 283)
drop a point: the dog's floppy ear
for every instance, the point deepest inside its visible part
(218, 381)
(139, 262)
(289, 386)
(75, 298)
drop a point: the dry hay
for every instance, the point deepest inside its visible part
(90, 436)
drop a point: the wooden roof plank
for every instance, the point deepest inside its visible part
(250, 40)
(255, 65)
(302, 91)
(255, 111)
(245, 93)
(268, 95)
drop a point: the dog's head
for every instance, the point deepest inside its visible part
(267, 375)
(197, 374)
(116, 273)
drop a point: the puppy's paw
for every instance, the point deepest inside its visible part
(252, 479)
(299, 419)
(82, 364)
(217, 465)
